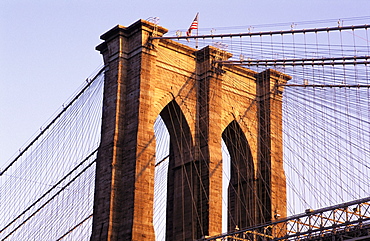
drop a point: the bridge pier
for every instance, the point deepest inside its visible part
(145, 78)
(271, 186)
(123, 206)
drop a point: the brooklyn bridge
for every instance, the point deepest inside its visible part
(245, 136)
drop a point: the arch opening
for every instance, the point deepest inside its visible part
(162, 149)
(175, 177)
(241, 187)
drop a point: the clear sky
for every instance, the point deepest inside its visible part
(47, 48)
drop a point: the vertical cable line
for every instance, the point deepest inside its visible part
(51, 189)
(322, 126)
(325, 137)
(55, 195)
(52, 159)
(52, 121)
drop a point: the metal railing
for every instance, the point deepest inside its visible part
(342, 219)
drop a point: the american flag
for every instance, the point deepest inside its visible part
(194, 25)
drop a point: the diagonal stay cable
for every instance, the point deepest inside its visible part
(52, 121)
(53, 187)
(74, 227)
(162, 160)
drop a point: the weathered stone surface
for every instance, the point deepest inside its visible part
(145, 78)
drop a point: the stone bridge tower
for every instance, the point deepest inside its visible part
(197, 99)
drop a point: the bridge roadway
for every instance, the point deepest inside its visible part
(349, 221)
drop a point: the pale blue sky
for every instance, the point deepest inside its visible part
(47, 48)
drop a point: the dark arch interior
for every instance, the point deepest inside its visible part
(241, 189)
(182, 221)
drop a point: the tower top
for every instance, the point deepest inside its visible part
(140, 25)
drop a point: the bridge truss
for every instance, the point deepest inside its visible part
(326, 102)
(47, 189)
(347, 221)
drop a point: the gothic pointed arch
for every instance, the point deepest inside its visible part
(181, 220)
(241, 189)
(143, 80)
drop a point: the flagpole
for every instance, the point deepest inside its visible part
(194, 25)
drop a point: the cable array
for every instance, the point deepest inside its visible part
(48, 189)
(273, 26)
(160, 178)
(325, 117)
(325, 111)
